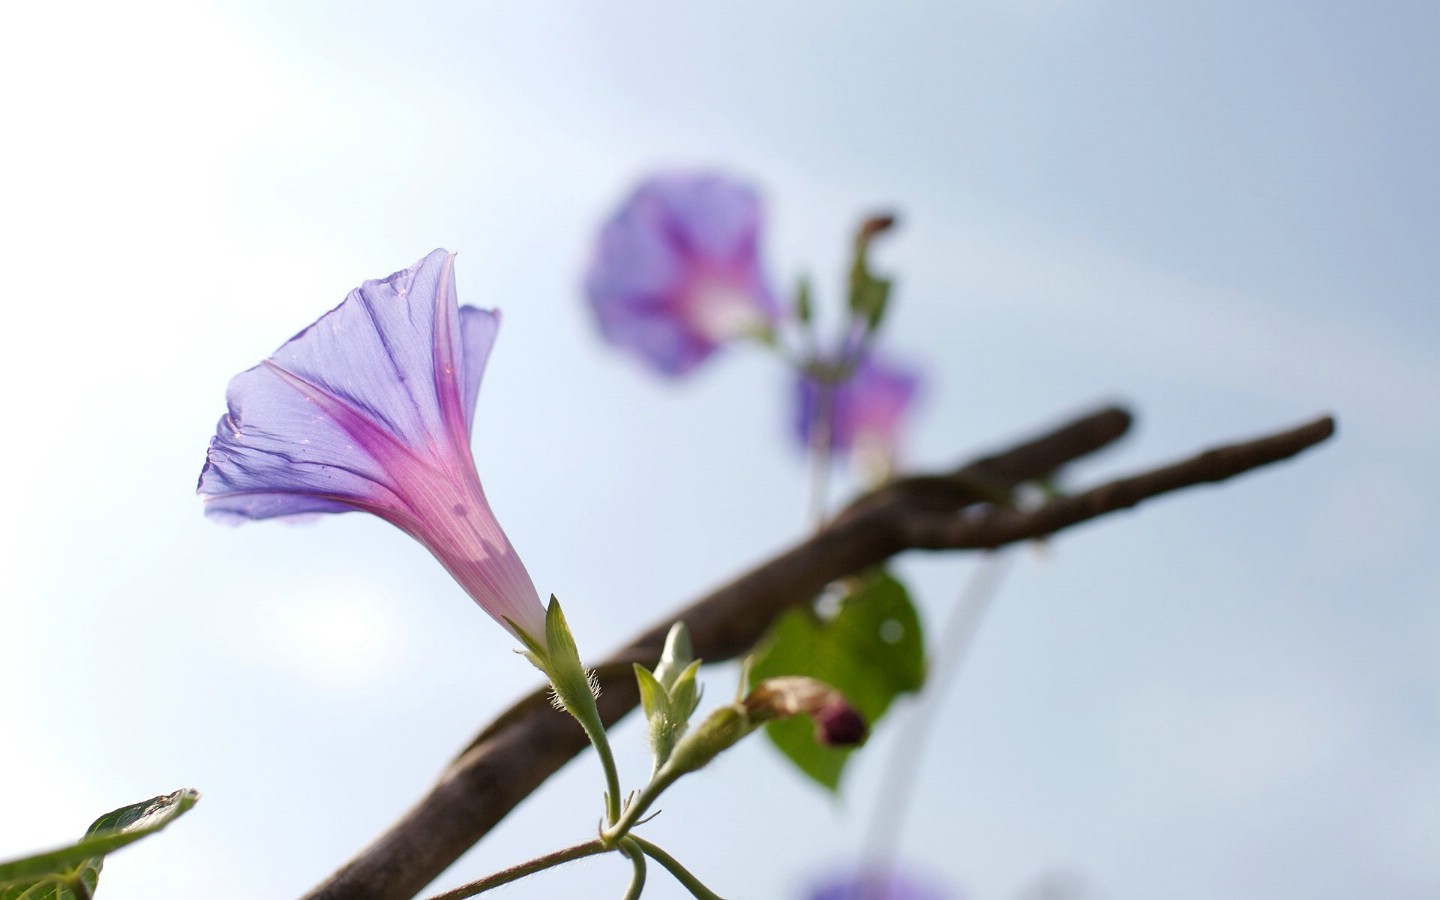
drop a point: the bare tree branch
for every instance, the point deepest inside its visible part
(968, 508)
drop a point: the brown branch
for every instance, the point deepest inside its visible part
(968, 508)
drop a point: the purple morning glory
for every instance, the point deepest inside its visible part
(370, 409)
(877, 885)
(676, 271)
(867, 409)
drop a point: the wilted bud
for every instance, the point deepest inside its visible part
(874, 225)
(837, 724)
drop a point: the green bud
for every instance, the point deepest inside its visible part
(675, 657)
(670, 695)
(720, 731)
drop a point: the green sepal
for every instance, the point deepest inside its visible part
(534, 651)
(562, 663)
(685, 693)
(670, 694)
(72, 872)
(664, 728)
(872, 651)
(653, 697)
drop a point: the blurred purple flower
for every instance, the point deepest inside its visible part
(867, 410)
(877, 885)
(370, 409)
(676, 271)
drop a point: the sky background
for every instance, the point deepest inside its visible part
(1223, 215)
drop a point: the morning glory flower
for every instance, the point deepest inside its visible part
(370, 409)
(877, 885)
(676, 271)
(867, 410)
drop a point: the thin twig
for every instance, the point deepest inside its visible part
(514, 873)
(902, 769)
(683, 875)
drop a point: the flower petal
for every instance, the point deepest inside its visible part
(376, 352)
(275, 454)
(370, 390)
(370, 408)
(706, 217)
(878, 884)
(478, 328)
(869, 407)
(676, 271)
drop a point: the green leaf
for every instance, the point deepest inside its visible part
(869, 294)
(71, 873)
(869, 297)
(871, 650)
(804, 306)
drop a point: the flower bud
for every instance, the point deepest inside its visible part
(837, 724)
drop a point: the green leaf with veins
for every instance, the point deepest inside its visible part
(871, 649)
(71, 873)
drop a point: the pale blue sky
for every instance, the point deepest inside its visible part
(1223, 214)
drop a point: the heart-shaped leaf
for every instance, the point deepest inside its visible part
(871, 650)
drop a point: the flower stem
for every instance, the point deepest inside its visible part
(539, 864)
(637, 860)
(898, 782)
(559, 658)
(620, 828)
(672, 865)
(820, 455)
(588, 715)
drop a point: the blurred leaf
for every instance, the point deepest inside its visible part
(71, 873)
(869, 297)
(869, 294)
(871, 650)
(804, 308)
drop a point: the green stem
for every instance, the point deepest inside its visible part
(539, 864)
(595, 730)
(672, 865)
(820, 456)
(559, 658)
(637, 860)
(620, 828)
(902, 769)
